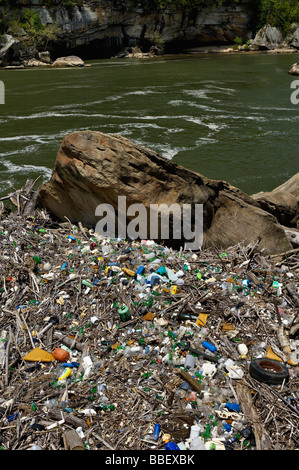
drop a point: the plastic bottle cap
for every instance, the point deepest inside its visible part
(171, 446)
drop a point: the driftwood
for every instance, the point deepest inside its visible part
(126, 376)
(72, 440)
(262, 438)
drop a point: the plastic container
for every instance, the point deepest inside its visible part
(67, 372)
(194, 431)
(243, 350)
(189, 361)
(60, 354)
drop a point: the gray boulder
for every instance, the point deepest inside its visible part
(9, 50)
(268, 37)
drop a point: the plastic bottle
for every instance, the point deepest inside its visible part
(35, 447)
(209, 346)
(156, 431)
(189, 361)
(52, 403)
(194, 431)
(67, 372)
(197, 444)
(2, 347)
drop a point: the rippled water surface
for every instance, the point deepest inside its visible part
(227, 117)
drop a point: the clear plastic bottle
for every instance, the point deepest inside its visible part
(35, 447)
(3, 336)
(197, 444)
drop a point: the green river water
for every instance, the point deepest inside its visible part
(227, 117)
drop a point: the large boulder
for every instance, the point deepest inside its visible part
(93, 168)
(268, 37)
(9, 50)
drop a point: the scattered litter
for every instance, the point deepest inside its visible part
(111, 344)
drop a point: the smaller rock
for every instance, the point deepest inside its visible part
(45, 57)
(35, 63)
(294, 70)
(69, 61)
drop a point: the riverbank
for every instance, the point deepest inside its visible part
(73, 61)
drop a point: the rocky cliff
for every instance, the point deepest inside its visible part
(98, 29)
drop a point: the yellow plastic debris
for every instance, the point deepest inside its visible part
(201, 319)
(148, 316)
(60, 301)
(227, 327)
(271, 355)
(38, 354)
(129, 272)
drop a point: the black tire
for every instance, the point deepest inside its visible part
(268, 371)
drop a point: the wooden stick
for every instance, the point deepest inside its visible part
(262, 439)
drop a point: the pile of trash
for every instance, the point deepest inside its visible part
(111, 344)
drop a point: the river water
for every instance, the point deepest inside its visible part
(228, 117)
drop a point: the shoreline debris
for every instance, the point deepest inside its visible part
(158, 342)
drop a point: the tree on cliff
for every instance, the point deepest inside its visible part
(27, 22)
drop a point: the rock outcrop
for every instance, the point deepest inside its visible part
(9, 50)
(102, 29)
(93, 168)
(268, 37)
(294, 70)
(282, 202)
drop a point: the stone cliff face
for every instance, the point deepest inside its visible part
(98, 29)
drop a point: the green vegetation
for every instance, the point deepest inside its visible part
(239, 43)
(279, 13)
(26, 22)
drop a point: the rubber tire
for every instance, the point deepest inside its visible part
(259, 370)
